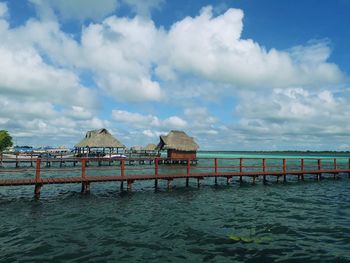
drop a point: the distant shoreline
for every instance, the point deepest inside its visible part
(273, 152)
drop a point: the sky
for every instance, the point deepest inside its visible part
(233, 74)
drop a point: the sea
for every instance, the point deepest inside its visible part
(295, 221)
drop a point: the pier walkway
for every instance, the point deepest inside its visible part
(165, 169)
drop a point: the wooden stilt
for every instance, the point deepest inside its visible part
(129, 185)
(169, 183)
(17, 162)
(38, 183)
(253, 179)
(198, 183)
(121, 185)
(156, 184)
(264, 179)
(216, 180)
(37, 191)
(187, 181)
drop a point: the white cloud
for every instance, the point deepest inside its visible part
(212, 47)
(130, 42)
(175, 122)
(137, 120)
(294, 117)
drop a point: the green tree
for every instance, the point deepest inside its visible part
(5, 140)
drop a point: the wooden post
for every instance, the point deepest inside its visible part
(216, 170)
(302, 168)
(188, 167)
(17, 163)
(83, 176)
(169, 183)
(31, 159)
(38, 183)
(122, 167)
(156, 168)
(284, 170)
(264, 170)
(198, 183)
(129, 185)
(319, 167)
(61, 162)
(240, 169)
(335, 167)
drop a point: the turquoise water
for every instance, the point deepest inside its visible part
(291, 222)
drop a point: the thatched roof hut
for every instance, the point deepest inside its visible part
(99, 139)
(178, 144)
(150, 147)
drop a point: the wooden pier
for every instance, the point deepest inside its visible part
(165, 169)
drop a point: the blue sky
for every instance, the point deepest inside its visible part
(236, 75)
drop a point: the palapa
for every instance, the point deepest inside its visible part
(177, 140)
(150, 147)
(99, 139)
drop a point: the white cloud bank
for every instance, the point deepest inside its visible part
(133, 60)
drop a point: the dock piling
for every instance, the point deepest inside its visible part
(38, 184)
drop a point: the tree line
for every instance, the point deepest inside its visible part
(5, 140)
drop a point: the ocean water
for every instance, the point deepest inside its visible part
(277, 222)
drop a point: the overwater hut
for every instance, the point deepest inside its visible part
(97, 141)
(150, 149)
(178, 145)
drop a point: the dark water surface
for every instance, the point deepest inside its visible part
(292, 222)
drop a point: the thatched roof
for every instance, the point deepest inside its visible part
(99, 139)
(177, 140)
(150, 147)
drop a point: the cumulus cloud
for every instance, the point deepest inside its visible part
(294, 117)
(202, 58)
(137, 120)
(120, 53)
(212, 47)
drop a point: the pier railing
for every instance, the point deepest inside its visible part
(87, 170)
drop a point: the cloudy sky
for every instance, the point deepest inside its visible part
(234, 74)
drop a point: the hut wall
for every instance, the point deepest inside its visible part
(174, 154)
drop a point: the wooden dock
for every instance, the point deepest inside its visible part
(161, 169)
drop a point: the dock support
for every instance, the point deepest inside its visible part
(156, 184)
(169, 184)
(198, 183)
(17, 162)
(130, 185)
(254, 179)
(38, 183)
(187, 181)
(121, 185)
(85, 187)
